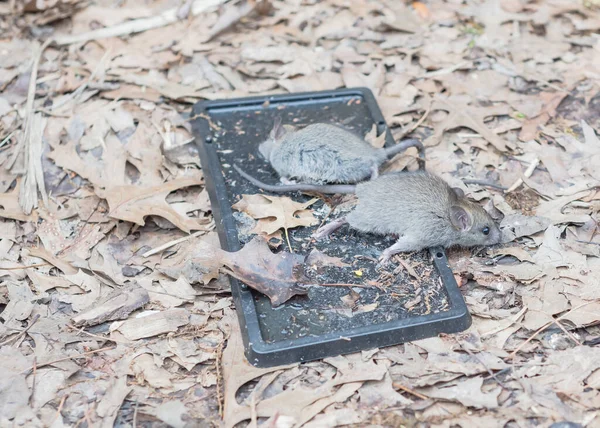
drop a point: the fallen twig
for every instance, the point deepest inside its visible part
(137, 25)
(544, 327)
(24, 267)
(171, 243)
(484, 184)
(527, 174)
(72, 357)
(490, 372)
(22, 333)
(218, 363)
(346, 285)
(410, 391)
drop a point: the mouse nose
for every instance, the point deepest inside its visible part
(496, 235)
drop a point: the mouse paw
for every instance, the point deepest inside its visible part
(385, 258)
(287, 181)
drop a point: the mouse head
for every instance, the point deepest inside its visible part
(474, 225)
(275, 138)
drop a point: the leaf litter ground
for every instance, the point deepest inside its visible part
(94, 333)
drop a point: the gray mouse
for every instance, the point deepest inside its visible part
(325, 153)
(419, 207)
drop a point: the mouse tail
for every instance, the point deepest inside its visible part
(404, 145)
(331, 188)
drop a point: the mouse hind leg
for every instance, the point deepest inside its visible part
(404, 244)
(287, 181)
(374, 171)
(329, 228)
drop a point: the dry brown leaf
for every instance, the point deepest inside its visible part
(10, 207)
(144, 368)
(279, 276)
(467, 392)
(319, 259)
(14, 392)
(372, 138)
(132, 203)
(550, 100)
(468, 117)
(406, 53)
(235, 13)
(118, 305)
(152, 324)
(111, 402)
(276, 212)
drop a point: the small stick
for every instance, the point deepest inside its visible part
(108, 339)
(527, 174)
(22, 333)
(24, 267)
(346, 285)
(253, 414)
(29, 104)
(218, 362)
(60, 406)
(171, 243)
(137, 25)
(135, 412)
(33, 381)
(587, 242)
(490, 372)
(410, 391)
(287, 238)
(484, 183)
(568, 333)
(408, 268)
(78, 237)
(545, 326)
(447, 70)
(418, 123)
(70, 358)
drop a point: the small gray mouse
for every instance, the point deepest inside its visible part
(419, 207)
(325, 153)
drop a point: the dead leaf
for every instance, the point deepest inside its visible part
(14, 392)
(372, 138)
(152, 324)
(144, 368)
(232, 15)
(276, 212)
(279, 276)
(130, 203)
(173, 413)
(468, 117)
(468, 392)
(10, 207)
(550, 101)
(112, 401)
(118, 305)
(319, 259)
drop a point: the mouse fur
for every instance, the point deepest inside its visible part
(325, 153)
(419, 207)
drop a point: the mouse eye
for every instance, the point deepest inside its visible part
(486, 230)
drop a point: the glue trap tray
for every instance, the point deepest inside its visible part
(410, 299)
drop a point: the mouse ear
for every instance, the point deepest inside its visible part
(459, 192)
(278, 130)
(460, 218)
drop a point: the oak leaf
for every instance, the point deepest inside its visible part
(279, 276)
(133, 203)
(276, 212)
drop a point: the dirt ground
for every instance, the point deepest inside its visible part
(103, 199)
